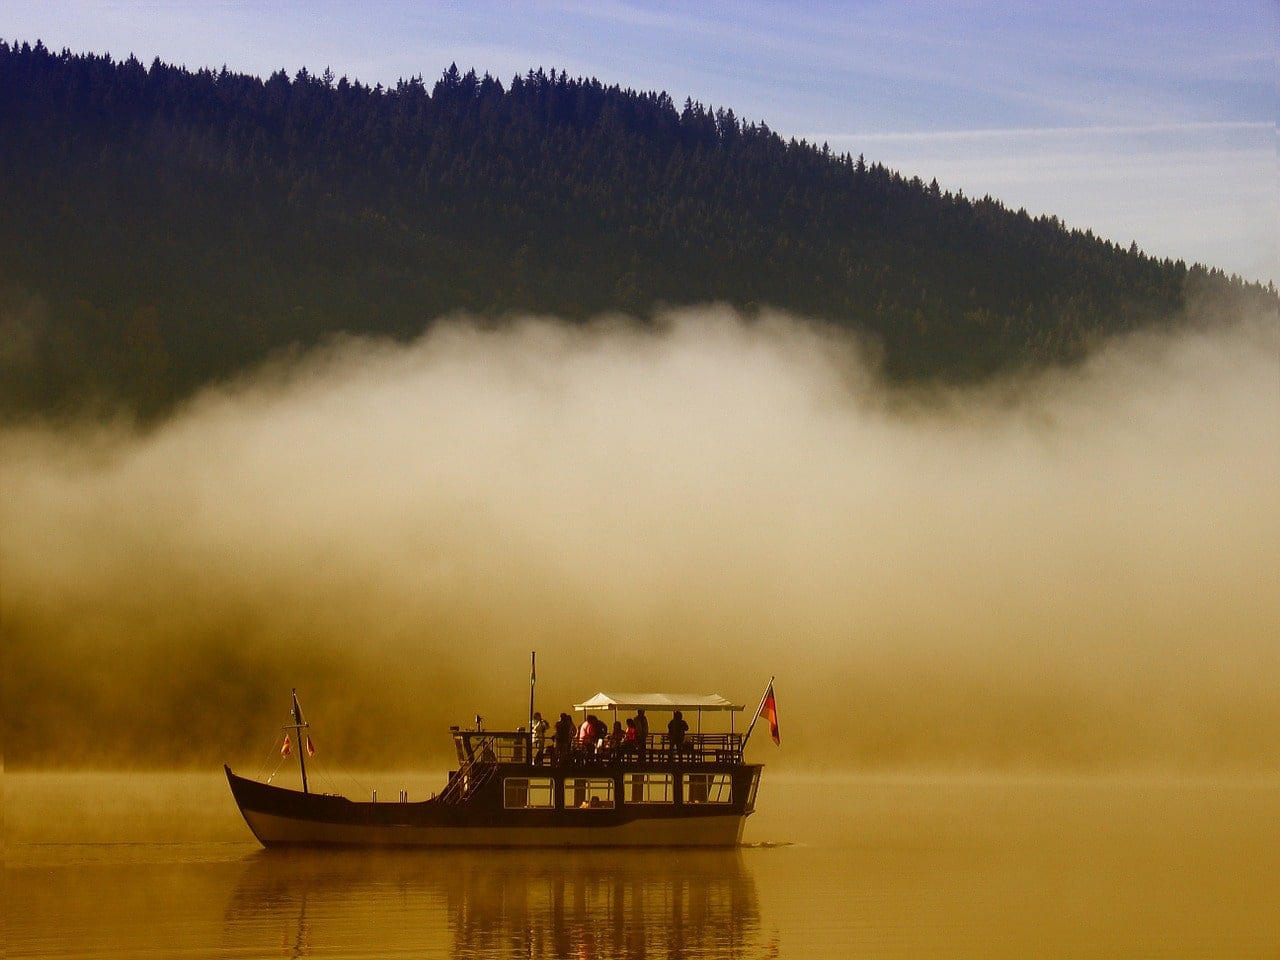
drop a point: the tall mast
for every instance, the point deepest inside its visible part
(298, 726)
(533, 682)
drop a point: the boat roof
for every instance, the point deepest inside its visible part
(657, 701)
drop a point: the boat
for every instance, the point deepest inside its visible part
(509, 790)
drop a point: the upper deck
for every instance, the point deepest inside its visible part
(516, 747)
(655, 748)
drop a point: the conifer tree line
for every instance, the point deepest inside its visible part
(162, 228)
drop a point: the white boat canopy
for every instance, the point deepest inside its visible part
(658, 701)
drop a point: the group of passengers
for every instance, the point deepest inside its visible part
(593, 740)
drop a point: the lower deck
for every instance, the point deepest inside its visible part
(655, 787)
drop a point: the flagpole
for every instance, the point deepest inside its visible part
(533, 682)
(302, 749)
(747, 736)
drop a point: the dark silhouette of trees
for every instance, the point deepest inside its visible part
(162, 228)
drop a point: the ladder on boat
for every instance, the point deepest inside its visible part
(472, 774)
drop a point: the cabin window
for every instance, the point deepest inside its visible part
(708, 788)
(588, 793)
(648, 788)
(528, 793)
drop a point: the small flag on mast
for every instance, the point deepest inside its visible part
(286, 748)
(311, 747)
(769, 711)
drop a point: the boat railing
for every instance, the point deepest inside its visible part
(485, 746)
(480, 749)
(699, 747)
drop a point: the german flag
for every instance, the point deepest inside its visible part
(769, 711)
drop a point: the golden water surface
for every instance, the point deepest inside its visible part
(160, 865)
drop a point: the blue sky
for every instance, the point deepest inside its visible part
(1152, 122)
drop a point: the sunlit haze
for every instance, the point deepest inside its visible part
(1074, 569)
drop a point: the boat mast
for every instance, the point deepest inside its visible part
(533, 682)
(298, 726)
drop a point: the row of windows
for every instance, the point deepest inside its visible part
(584, 793)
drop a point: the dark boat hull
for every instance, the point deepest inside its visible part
(281, 817)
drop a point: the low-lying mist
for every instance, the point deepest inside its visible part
(1073, 569)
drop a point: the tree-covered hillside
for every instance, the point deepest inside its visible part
(161, 228)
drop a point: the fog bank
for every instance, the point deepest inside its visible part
(1078, 568)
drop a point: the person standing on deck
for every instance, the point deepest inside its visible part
(564, 738)
(630, 739)
(616, 737)
(676, 730)
(642, 733)
(587, 735)
(540, 728)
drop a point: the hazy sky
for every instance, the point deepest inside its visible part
(1074, 568)
(1152, 122)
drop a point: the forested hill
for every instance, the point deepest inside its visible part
(161, 228)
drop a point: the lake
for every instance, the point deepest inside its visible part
(160, 865)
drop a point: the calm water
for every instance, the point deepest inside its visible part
(155, 866)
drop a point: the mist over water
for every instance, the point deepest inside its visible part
(1078, 568)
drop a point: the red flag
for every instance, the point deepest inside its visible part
(311, 747)
(286, 748)
(769, 710)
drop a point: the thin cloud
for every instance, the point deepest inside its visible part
(1037, 133)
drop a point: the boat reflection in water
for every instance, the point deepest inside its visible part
(548, 903)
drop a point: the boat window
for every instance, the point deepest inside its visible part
(708, 788)
(588, 793)
(528, 793)
(649, 788)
